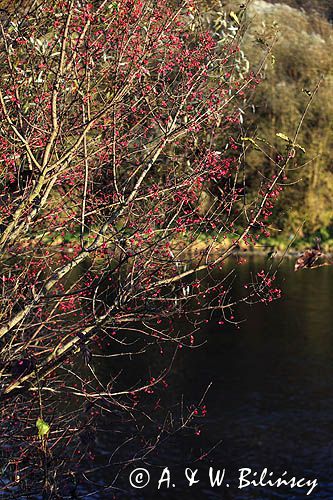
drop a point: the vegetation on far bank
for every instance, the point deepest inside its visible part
(301, 39)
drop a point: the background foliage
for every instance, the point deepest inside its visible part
(301, 57)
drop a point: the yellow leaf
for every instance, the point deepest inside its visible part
(249, 139)
(283, 136)
(300, 147)
(234, 17)
(286, 138)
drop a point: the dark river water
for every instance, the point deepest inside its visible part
(270, 403)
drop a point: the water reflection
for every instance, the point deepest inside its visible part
(271, 400)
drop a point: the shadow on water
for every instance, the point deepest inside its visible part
(270, 403)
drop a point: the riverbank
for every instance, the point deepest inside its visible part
(213, 243)
(271, 247)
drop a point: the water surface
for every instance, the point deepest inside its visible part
(270, 403)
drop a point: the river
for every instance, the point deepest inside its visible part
(270, 403)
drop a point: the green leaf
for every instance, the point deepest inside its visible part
(43, 428)
(283, 136)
